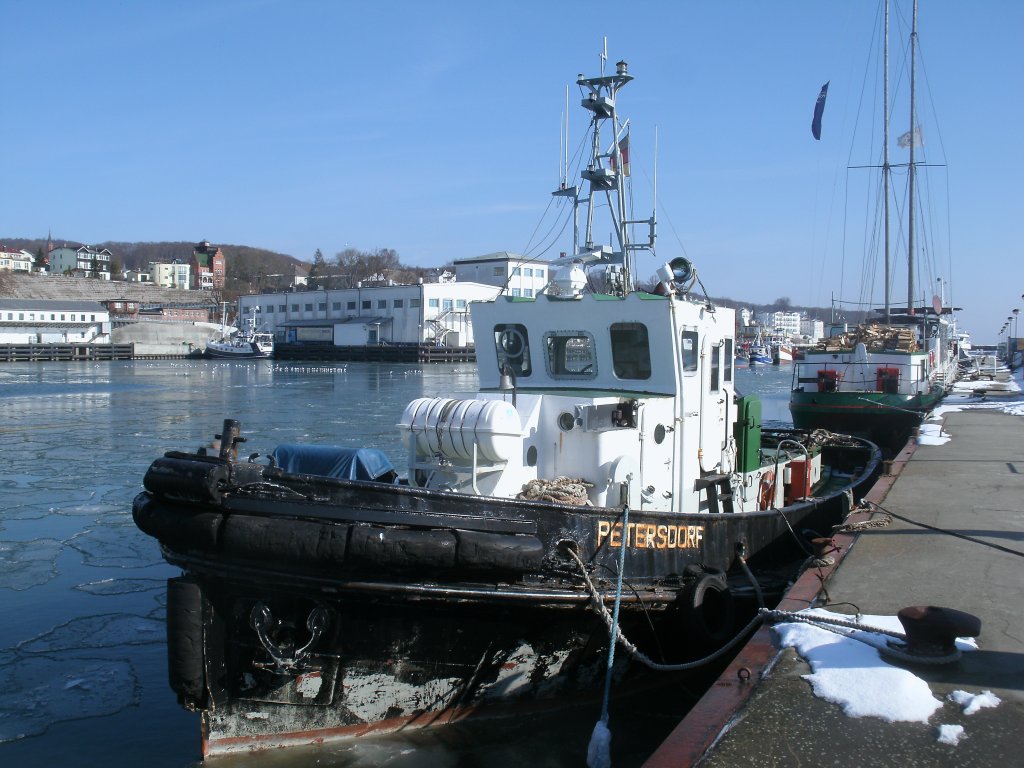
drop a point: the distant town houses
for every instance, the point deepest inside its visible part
(80, 261)
(15, 260)
(207, 268)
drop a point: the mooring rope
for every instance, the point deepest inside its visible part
(763, 615)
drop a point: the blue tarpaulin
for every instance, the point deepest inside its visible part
(333, 461)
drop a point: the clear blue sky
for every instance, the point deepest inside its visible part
(433, 129)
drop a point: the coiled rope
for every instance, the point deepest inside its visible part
(561, 490)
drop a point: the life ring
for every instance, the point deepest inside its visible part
(766, 491)
(710, 613)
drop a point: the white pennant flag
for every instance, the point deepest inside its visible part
(906, 138)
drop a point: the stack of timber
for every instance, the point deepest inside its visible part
(876, 338)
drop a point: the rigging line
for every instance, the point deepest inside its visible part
(530, 247)
(955, 534)
(536, 257)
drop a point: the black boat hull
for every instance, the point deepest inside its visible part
(315, 608)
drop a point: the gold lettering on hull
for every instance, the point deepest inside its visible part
(648, 536)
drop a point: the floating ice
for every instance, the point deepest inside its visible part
(27, 564)
(120, 586)
(104, 631)
(117, 546)
(36, 692)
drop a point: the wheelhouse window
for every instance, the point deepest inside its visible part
(631, 351)
(730, 359)
(513, 347)
(716, 368)
(688, 350)
(570, 355)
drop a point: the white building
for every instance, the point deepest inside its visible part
(426, 313)
(174, 275)
(786, 323)
(15, 260)
(81, 261)
(46, 321)
(519, 275)
(812, 329)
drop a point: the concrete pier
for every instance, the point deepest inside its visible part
(970, 492)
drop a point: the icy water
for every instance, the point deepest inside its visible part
(83, 671)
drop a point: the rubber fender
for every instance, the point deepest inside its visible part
(293, 541)
(401, 549)
(711, 614)
(187, 478)
(185, 660)
(178, 526)
(499, 552)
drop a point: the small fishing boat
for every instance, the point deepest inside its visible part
(606, 460)
(250, 342)
(760, 352)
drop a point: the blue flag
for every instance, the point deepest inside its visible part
(819, 109)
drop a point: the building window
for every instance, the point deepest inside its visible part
(631, 351)
(516, 292)
(414, 303)
(336, 306)
(516, 272)
(399, 304)
(433, 303)
(527, 272)
(446, 305)
(295, 307)
(570, 354)
(498, 271)
(350, 305)
(366, 304)
(309, 307)
(282, 307)
(270, 309)
(460, 303)
(528, 293)
(382, 303)
(322, 306)
(538, 273)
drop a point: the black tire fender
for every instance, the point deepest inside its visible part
(711, 614)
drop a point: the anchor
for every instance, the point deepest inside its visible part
(262, 622)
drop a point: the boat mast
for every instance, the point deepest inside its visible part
(913, 142)
(885, 159)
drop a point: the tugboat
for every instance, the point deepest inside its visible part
(327, 596)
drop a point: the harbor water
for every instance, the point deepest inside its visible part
(83, 670)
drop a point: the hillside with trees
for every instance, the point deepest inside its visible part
(254, 270)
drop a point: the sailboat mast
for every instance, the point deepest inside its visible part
(885, 160)
(912, 169)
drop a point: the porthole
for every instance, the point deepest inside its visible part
(531, 456)
(659, 434)
(566, 421)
